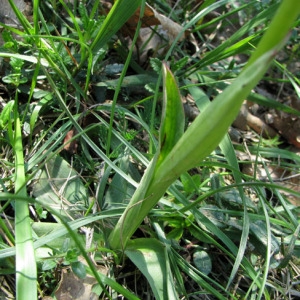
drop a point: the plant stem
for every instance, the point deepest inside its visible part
(26, 274)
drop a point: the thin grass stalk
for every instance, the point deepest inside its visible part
(228, 150)
(36, 16)
(7, 233)
(24, 22)
(26, 273)
(123, 74)
(279, 28)
(82, 132)
(120, 12)
(268, 254)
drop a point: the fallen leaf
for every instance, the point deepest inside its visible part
(73, 288)
(72, 146)
(288, 126)
(153, 18)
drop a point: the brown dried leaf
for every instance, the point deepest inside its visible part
(72, 146)
(73, 288)
(152, 18)
(288, 126)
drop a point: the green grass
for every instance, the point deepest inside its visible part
(164, 198)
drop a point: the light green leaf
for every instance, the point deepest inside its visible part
(6, 114)
(49, 264)
(28, 58)
(172, 126)
(208, 129)
(150, 256)
(46, 97)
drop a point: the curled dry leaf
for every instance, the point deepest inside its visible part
(71, 287)
(72, 146)
(156, 34)
(152, 18)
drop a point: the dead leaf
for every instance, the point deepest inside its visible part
(288, 126)
(73, 288)
(153, 18)
(72, 146)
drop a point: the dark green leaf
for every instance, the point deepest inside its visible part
(79, 269)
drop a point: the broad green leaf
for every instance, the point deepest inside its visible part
(172, 126)
(6, 114)
(120, 190)
(79, 269)
(132, 217)
(150, 256)
(171, 130)
(200, 139)
(208, 129)
(61, 187)
(175, 234)
(260, 238)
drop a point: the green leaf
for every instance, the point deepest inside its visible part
(175, 234)
(79, 269)
(259, 238)
(26, 274)
(120, 190)
(172, 126)
(48, 264)
(46, 97)
(200, 139)
(6, 114)
(28, 58)
(150, 256)
(60, 186)
(208, 129)
(202, 262)
(71, 256)
(118, 15)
